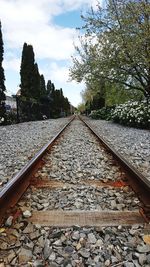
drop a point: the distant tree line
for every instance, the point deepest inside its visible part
(36, 99)
(2, 80)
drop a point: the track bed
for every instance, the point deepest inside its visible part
(79, 210)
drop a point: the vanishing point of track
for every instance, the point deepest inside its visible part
(81, 201)
(15, 188)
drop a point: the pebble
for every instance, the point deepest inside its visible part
(9, 221)
(39, 246)
(15, 151)
(25, 255)
(132, 143)
(38, 263)
(129, 264)
(143, 249)
(27, 214)
(91, 238)
(84, 253)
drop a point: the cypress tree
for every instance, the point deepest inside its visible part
(27, 71)
(49, 87)
(35, 89)
(42, 85)
(2, 79)
(30, 85)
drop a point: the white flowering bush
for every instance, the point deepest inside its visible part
(135, 114)
(1, 120)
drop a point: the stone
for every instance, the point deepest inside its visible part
(84, 253)
(52, 256)
(52, 264)
(91, 238)
(143, 248)
(29, 229)
(107, 263)
(24, 256)
(3, 245)
(69, 249)
(142, 259)
(114, 259)
(11, 256)
(15, 233)
(47, 249)
(129, 264)
(27, 214)
(57, 243)
(38, 263)
(59, 260)
(78, 246)
(99, 243)
(41, 241)
(75, 235)
(113, 204)
(9, 221)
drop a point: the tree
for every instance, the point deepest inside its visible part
(2, 79)
(116, 45)
(42, 86)
(32, 86)
(36, 87)
(27, 71)
(49, 87)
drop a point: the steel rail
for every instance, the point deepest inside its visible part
(14, 189)
(139, 183)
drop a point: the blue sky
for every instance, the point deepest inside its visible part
(49, 25)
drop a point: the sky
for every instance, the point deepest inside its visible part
(50, 27)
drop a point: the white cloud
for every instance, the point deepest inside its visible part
(12, 63)
(31, 21)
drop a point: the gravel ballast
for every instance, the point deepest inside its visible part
(132, 143)
(20, 142)
(75, 158)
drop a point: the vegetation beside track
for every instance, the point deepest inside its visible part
(134, 114)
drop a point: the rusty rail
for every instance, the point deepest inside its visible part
(139, 183)
(14, 189)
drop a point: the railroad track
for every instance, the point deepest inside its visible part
(63, 203)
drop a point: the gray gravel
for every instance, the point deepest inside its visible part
(134, 144)
(25, 244)
(32, 245)
(77, 159)
(19, 142)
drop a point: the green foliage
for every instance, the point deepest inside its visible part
(37, 99)
(81, 108)
(116, 46)
(118, 94)
(135, 114)
(103, 113)
(11, 118)
(27, 71)
(2, 85)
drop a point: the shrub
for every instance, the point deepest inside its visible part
(135, 114)
(103, 113)
(2, 120)
(10, 118)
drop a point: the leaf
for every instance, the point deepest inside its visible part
(146, 239)
(2, 230)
